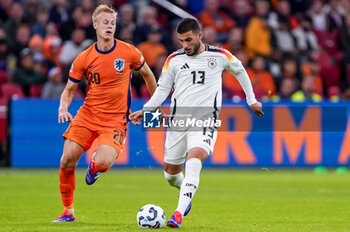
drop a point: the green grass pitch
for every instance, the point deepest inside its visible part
(227, 200)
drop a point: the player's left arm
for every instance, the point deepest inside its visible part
(235, 66)
(149, 78)
(257, 109)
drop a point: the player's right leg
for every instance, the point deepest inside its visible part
(174, 158)
(72, 152)
(173, 173)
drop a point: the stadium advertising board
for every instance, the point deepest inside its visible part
(289, 135)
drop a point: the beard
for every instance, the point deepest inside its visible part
(195, 49)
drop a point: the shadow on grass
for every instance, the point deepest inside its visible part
(83, 225)
(96, 226)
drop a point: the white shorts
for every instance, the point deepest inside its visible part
(177, 144)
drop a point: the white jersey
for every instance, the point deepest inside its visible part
(197, 90)
(196, 80)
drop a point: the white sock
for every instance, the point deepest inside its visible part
(174, 180)
(190, 183)
(71, 211)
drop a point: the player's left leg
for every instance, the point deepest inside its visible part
(196, 156)
(100, 162)
(200, 145)
(109, 146)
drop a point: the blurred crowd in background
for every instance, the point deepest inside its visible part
(292, 49)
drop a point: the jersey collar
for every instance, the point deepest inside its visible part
(106, 52)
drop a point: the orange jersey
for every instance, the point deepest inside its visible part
(109, 76)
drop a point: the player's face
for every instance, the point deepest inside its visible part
(105, 25)
(190, 41)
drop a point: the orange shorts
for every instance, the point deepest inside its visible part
(84, 132)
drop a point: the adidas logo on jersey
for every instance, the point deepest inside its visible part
(206, 141)
(188, 195)
(185, 66)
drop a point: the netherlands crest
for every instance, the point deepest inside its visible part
(119, 64)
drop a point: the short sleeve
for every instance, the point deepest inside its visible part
(138, 61)
(76, 70)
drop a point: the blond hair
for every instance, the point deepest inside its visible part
(102, 9)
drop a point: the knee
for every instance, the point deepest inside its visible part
(68, 161)
(105, 156)
(103, 160)
(71, 154)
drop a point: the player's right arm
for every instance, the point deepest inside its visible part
(65, 101)
(159, 96)
(165, 84)
(75, 74)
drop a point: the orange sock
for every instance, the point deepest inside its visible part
(67, 186)
(100, 168)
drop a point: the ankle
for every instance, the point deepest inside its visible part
(178, 215)
(99, 168)
(70, 211)
(93, 167)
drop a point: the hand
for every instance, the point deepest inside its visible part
(136, 117)
(257, 109)
(64, 116)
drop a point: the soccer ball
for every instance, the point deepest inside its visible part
(150, 216)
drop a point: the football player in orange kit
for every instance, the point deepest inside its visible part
(107, 64)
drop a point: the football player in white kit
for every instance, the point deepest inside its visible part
(194, 73)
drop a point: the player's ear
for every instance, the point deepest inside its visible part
(95, 25)
(200, 35)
